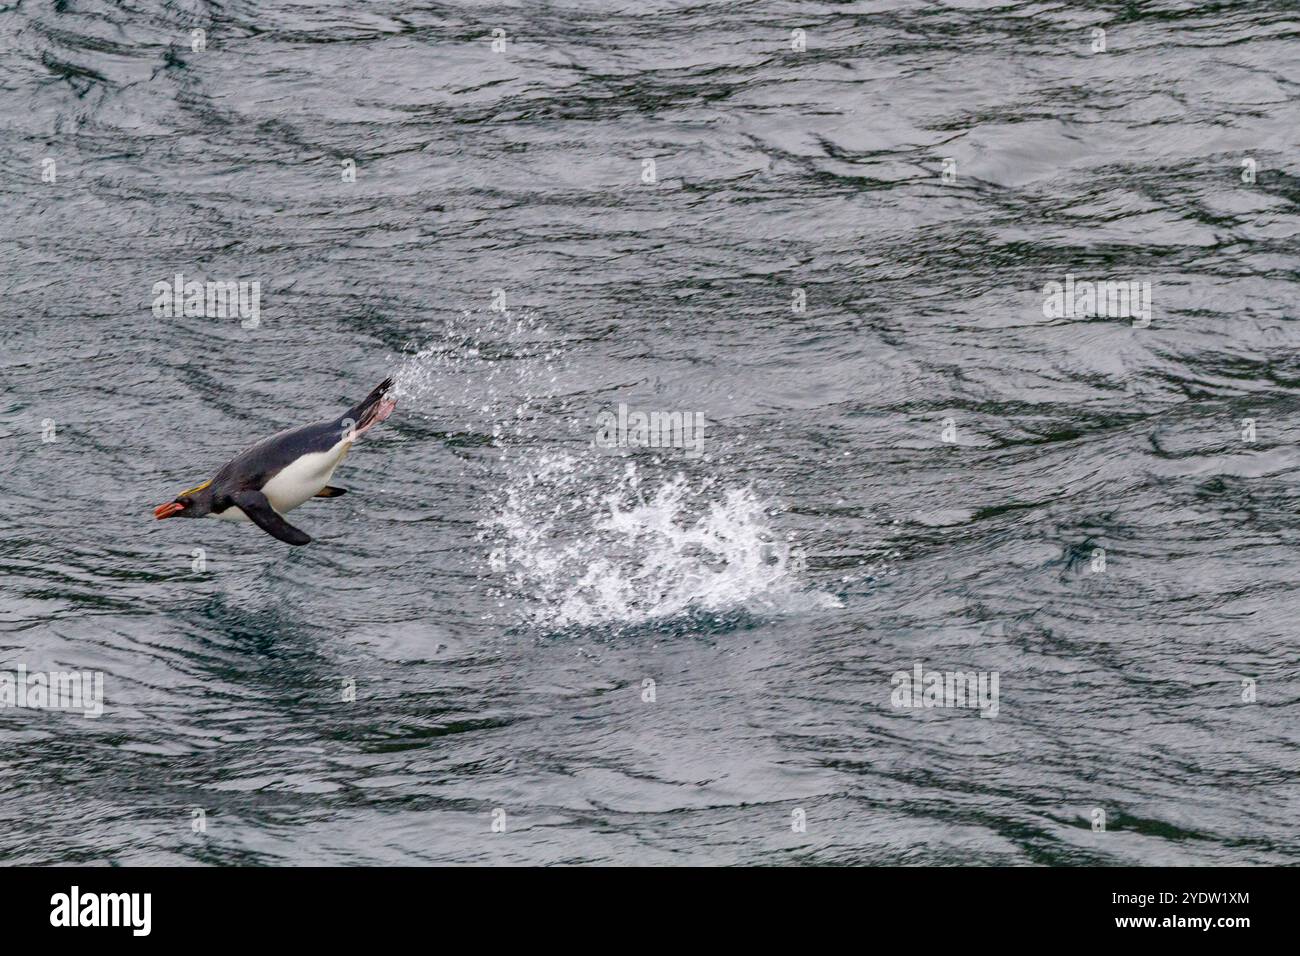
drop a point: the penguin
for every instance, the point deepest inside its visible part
(279, 473)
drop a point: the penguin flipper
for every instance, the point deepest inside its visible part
(259, 510)
(329, 491)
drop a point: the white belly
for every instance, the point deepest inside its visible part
(297, 481)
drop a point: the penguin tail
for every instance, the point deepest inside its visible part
(372, 409)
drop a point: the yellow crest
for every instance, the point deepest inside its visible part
(190, 491)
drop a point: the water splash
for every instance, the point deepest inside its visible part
(592, 542)
(580, 537)
(486, 374)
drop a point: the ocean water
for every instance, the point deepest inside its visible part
(826, 231)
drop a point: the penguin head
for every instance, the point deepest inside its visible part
(192, 503)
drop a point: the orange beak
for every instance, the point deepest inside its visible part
(167, 510)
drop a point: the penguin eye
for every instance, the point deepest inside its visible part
(184, 501)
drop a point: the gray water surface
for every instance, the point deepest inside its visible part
(647, 656)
